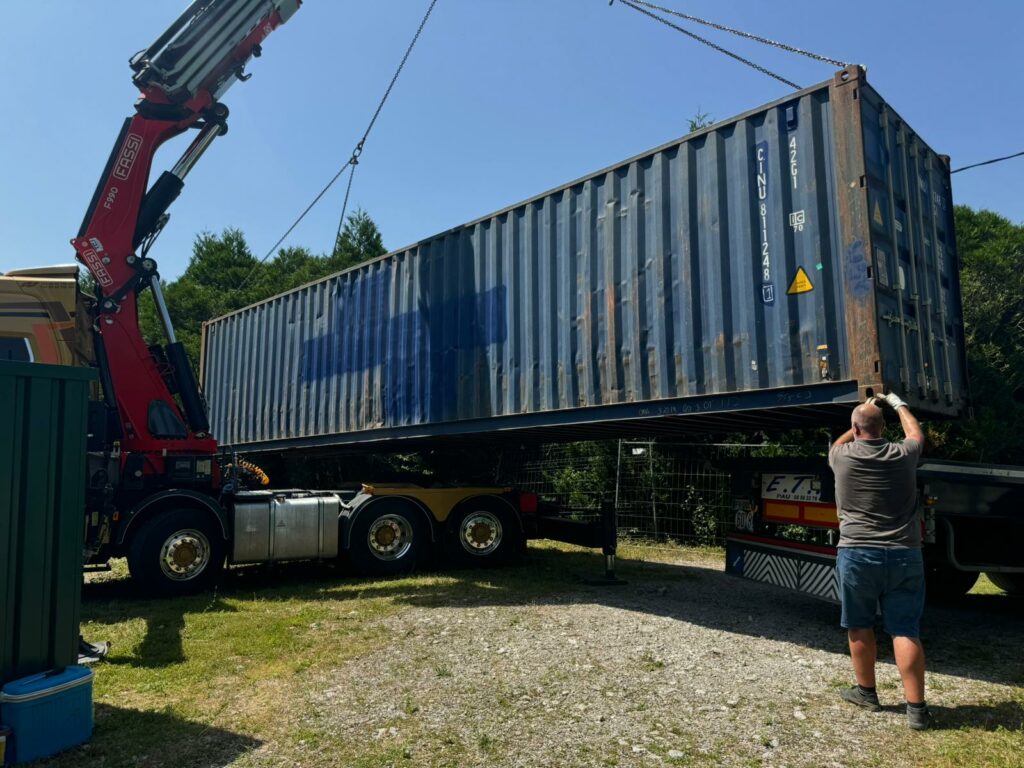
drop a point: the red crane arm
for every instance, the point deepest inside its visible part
(181, 76)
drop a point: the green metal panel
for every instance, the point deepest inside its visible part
(42, 485)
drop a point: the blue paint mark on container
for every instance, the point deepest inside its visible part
(470, 322)
(857, 270)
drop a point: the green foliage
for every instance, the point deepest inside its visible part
(794, 532)
(698, 121)
(86, 282)
(704, 518)
(587, 475)
(803, 443)
(359, 241)
(992, 285)
(223, 275)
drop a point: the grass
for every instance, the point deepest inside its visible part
(988, 733)
(231, 678)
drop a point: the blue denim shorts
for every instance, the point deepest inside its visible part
(876, 577)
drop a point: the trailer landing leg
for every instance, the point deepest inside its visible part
(610, 535)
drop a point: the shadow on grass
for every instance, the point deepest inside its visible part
(978, 638)
(161, 644)
(127, 737)
(115, 600)
(1002, 715)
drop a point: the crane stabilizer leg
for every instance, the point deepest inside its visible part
(207, 47)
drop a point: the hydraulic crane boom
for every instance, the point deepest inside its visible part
(156, 492)
(181, 76)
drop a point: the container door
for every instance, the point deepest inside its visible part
(916, 267)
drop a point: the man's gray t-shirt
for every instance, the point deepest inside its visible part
(876, 493)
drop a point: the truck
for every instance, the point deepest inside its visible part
(160, 490)
(768, 271)
(786, 525)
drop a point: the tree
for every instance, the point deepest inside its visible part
(223, 275)
(359, 241)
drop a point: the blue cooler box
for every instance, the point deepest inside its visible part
(47, 713)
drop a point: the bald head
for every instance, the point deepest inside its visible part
(867, 421)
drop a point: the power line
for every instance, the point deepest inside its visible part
(353, 161)
(988, 162)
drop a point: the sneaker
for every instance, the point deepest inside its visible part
(856, 696)
(920, 719)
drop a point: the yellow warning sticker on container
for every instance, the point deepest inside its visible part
(801, 283)
(878, 215)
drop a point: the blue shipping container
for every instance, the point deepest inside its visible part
(764, 272)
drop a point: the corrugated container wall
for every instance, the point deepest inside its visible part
(42, 489)
(749, 275)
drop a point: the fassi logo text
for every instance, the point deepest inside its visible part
(125, 160)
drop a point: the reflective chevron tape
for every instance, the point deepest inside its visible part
(792, 569)
(819, 579)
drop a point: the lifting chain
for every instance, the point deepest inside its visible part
(747, 35)
(647, 9)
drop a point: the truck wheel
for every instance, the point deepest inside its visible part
(1011, 583)
(943, 582)
(178, 552)
(483, 533)
(388, 537)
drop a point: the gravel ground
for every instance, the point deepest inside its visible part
(683, 666)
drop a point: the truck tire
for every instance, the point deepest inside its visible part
(1011, 583)
(389, 537)
(178, 552)
(944, 582)
(481, 533)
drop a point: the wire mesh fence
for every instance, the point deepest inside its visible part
(672, 492)
(574, 476)
(678, 492)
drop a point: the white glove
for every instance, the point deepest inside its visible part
(894, 401)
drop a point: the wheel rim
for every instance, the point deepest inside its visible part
(480, 533)
(390, 537)
(185, 554)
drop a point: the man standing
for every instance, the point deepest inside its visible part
(879, 561)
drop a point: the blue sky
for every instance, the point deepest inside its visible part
(501, 100)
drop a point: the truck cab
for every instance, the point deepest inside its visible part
(44, 317)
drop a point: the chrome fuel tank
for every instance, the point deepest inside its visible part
(284, 525)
